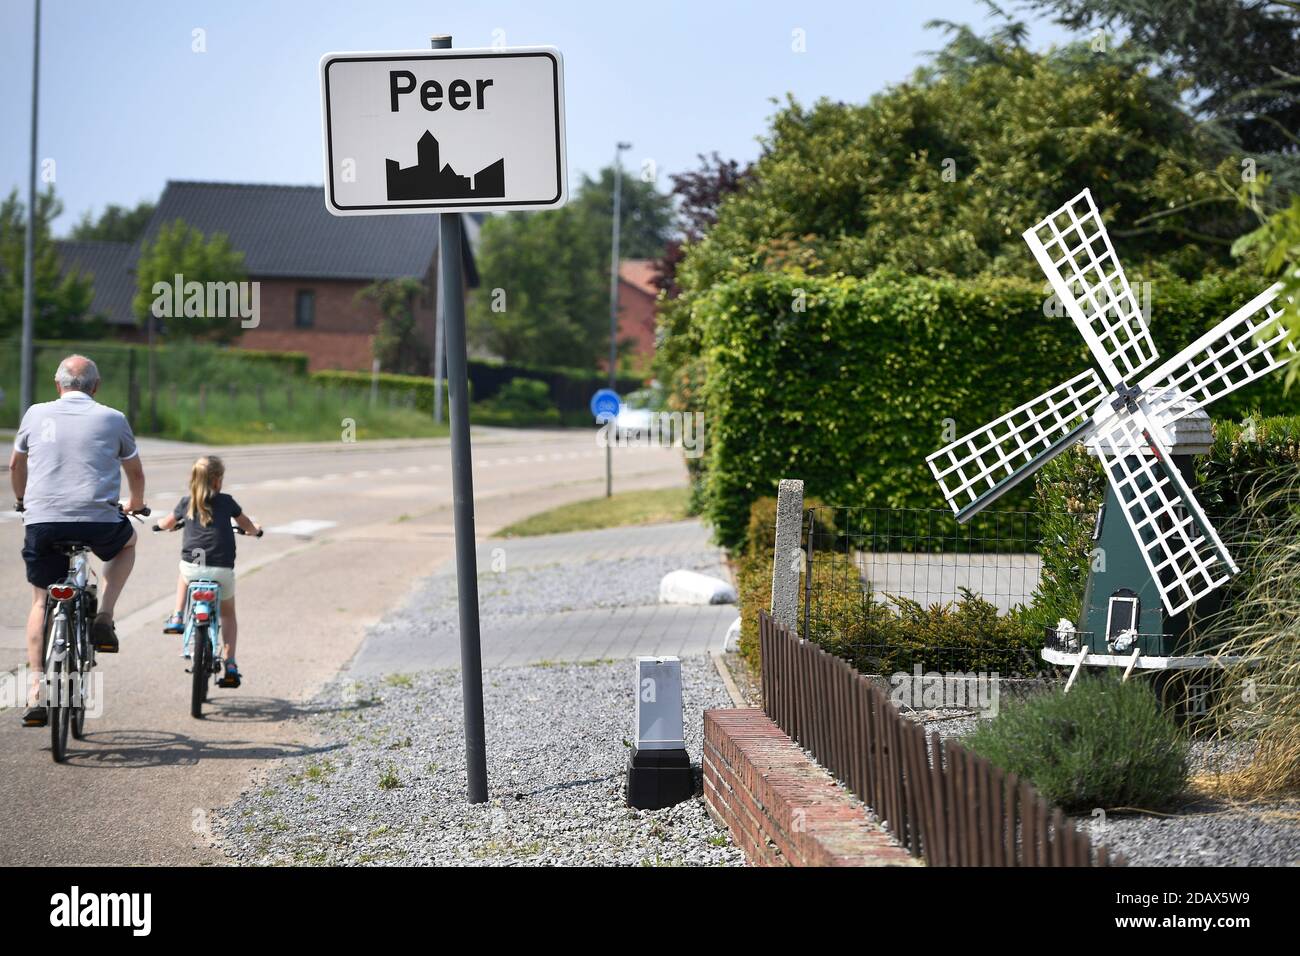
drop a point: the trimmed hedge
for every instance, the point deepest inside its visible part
(849, 383)
(570, 389)
(420, 386)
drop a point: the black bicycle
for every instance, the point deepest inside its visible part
(68, 652)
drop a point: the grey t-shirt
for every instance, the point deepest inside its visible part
(211, 545)
(74, 448)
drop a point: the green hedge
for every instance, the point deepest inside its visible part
(419, 386)
(286, 363)
(854, 389)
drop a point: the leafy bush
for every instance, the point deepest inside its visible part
(849, 383)
(1106, 743)
(878, 634)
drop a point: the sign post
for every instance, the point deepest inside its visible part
(448, 131)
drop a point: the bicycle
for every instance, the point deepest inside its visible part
(201, 643)
(67, 652)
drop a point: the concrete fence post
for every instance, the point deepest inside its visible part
(787, 558)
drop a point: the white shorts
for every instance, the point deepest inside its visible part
(225, 577)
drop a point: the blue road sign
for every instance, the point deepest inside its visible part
(605, 404)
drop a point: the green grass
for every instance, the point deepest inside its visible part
(213, 396)
(625, 509)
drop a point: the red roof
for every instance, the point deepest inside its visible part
(640, 274)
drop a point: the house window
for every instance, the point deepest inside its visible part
(304, 309)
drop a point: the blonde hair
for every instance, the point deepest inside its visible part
(204, 477)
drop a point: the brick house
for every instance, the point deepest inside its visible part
(636, 306)
(310, 265)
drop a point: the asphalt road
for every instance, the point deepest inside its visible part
(351, 527)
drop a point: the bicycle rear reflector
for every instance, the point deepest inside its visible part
(204, 595)
(62, 592)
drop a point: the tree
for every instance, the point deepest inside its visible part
(1238, 57)
(938, 176)
(544, 293)
(699, 192)
(544, 296)
(646, 215)
(115, 224)
(181, 250)
(399, 344)
(61, 302)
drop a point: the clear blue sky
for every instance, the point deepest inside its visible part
(126, 104)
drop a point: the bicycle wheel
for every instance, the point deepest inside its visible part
(80, 670)
(59, 711)
(200, 669)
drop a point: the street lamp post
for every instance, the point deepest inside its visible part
(26, 386)
(613, 307)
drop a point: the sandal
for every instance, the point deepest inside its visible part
(231, 677)
(174, 625)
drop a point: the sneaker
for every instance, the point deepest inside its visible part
(231, 677)
(174, 625)
(102, 634)
(36, 717)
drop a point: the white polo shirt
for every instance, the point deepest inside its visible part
(74, 448)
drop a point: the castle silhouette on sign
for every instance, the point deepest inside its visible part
(429, 179)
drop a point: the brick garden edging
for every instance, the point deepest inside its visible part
(782, 808)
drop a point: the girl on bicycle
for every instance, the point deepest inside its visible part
(208, 551)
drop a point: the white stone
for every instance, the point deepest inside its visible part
(691, 587)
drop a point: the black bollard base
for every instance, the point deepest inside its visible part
(659, 778)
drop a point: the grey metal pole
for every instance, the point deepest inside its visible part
(462, 484)
(439, 42)
(439, 360)
(613, 309)
(27, 382)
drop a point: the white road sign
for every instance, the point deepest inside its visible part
(443, 130)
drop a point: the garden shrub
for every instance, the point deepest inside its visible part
(1105, 744)
(879, 634)
(848, 383)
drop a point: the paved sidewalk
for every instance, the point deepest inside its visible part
(625, 621)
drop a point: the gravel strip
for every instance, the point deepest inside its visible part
(543, 589)
(388, 784)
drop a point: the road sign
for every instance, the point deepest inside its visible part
(443, 130)
(605, 404)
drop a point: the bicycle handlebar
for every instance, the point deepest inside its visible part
(180, 523)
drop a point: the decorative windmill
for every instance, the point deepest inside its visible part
(1130, 421)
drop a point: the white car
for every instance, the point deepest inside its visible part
(633, 422)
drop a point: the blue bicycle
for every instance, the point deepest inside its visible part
(202, 635)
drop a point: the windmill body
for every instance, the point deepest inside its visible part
(1143, 419)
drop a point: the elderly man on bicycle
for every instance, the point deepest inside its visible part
(66, 474)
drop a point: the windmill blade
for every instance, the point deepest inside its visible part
(1245, 346)
(979, 468)
(1184, 555)
(1074, 251)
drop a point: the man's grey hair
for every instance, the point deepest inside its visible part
(78, 373)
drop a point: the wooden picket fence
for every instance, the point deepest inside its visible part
(940, 801)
